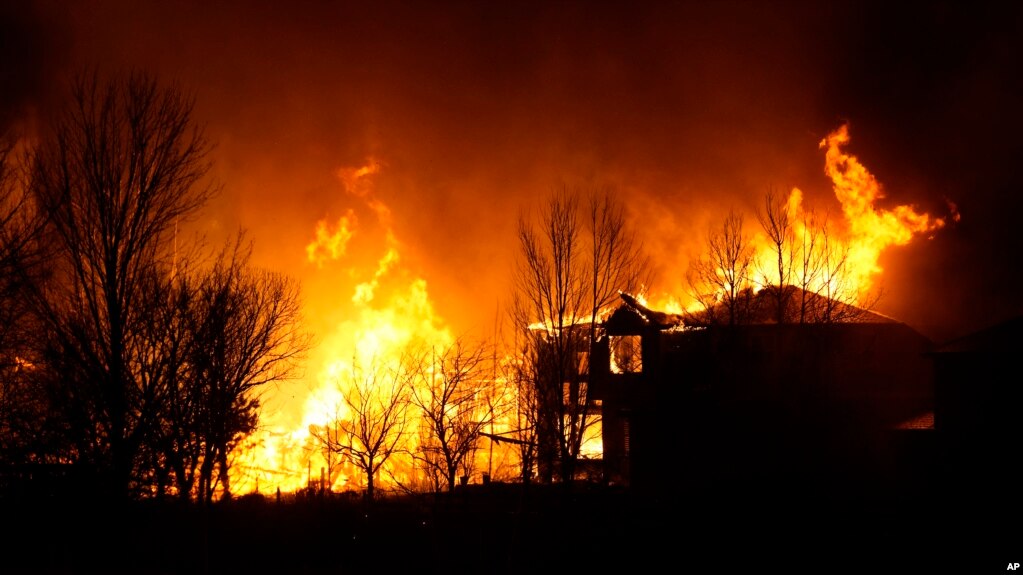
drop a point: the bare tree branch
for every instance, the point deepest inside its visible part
(371, 422)
(566, 277)
(723, 277)
(121, 166)
(451, 393)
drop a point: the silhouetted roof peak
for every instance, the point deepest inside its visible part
(1004, 337)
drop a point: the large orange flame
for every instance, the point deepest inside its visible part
(871, 229)
(390, 309)
(854, 243)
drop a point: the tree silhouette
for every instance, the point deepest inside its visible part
(120, 167)
(777, 223)
(525, 409)
(569, 272)
(371, 421)
(721, 281)
(246, 325)
(821, 272)
(451, 394)
(808, 265)
(22, 268)
(142, 367)
(175, 443)
(806, 279)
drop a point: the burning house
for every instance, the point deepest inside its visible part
(759, 402)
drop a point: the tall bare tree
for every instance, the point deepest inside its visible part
(21, 251)
(616, 259)
(570, 270)
(22, 267)
(722, 279)
(371, 421)
(175, 440)
(451, 394)
(247, 330)
(827, 293)
(120, 167)
(525, 409)
(170, 447)
(808, 262)
(777, 223)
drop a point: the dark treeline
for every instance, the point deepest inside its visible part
(130, 359)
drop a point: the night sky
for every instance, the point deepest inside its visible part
(476, 110)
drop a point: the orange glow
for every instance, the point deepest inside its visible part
(665, 302)
(388, 313)
(388, 310)
(327, 245)
(844, 252)
(870, 229)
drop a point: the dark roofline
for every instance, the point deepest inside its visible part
(1003, 337)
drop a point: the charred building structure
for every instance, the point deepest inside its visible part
(759, 403)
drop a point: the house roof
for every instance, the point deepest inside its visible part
(1004, 337)
(800, 306)
(762, 308)
(632, 317)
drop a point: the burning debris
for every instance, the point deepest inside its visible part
(660, 320)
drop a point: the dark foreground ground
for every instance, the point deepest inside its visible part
(503, 528)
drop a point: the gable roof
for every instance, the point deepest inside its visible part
(759, 308)
(800, 306)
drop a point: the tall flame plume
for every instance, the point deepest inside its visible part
(389, 310)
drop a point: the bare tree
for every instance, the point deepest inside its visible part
(776, 221)
(840, 299)
(834, 278)
(568, 274)
(169, 450)
(22, 267)
(21, 252)
(526, 409)
(332, 459)
(723, 277)
(371, 422)
(452, 393)
(827, 293)
(516, 405)
(616, 258)
(808, 262)
(550, 304)
(120, 167)
(247, 330)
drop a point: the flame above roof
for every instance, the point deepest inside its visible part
(759, 308)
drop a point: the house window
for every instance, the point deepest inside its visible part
(582, 390)
(582, 363)
(626, 354)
